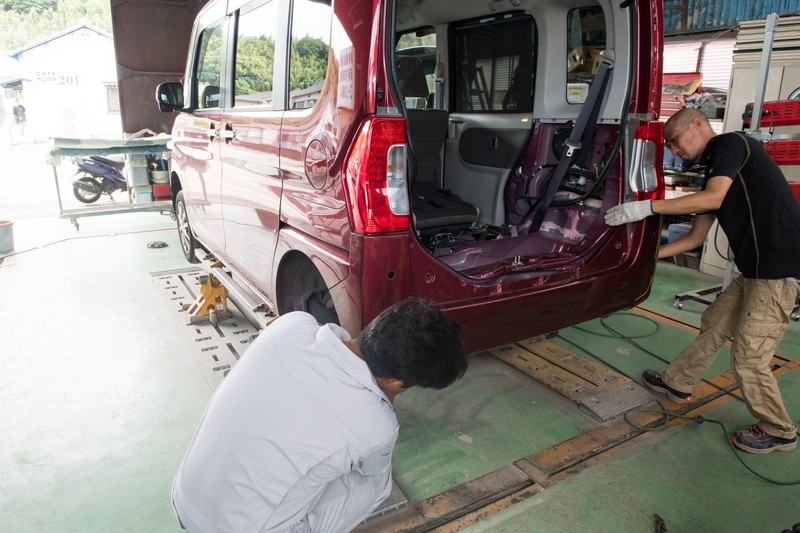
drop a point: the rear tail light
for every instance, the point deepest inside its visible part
(646, 179)
(375, 177)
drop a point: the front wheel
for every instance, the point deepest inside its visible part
(188, 243)
(84, 196)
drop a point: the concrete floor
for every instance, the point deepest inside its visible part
(99, 397)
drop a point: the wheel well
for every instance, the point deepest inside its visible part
(300, 287)
(174, 186)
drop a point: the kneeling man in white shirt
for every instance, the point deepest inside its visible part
(299, 436)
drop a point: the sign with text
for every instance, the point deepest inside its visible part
(50, 77)
(347, 63)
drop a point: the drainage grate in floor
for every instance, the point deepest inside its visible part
(215, 348)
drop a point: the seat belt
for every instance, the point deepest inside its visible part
(578, 138)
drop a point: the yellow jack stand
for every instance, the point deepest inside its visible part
(211, 304)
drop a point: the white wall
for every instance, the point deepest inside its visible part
(66, 92)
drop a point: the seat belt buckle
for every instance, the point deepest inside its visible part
(571, 147)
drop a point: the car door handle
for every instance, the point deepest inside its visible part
(227, 134)
(213, 133)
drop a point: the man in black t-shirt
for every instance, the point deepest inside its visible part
(749, 196)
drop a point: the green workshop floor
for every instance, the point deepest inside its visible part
(100, 395)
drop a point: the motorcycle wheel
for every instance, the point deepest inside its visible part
(188, 242)
(87, 197)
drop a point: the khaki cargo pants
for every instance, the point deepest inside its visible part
(754, 314)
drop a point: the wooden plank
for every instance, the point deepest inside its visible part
(600, 376)
(560, 369)
(544, 371)
(599, 391)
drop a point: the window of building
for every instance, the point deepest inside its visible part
(112, 98)
(209, 66)
(308, 63)
(495, 63)
(586, 41)
(255, 54)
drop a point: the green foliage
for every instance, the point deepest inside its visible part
(24, 22)
(27, 6)
(309, 61)
(254, 60)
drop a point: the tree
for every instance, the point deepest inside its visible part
(254, 59)
(309, 61)
(28, 6)
(26, 21)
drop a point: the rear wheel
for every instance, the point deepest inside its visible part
(84, 196)
(301, 288)
(188, 243)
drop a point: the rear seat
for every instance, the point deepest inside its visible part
(434, 208)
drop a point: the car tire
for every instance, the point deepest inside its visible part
(188, 243)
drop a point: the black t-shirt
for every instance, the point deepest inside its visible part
(760, 214)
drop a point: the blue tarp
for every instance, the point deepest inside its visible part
(717, 15)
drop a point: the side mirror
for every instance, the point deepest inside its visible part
(170, 96)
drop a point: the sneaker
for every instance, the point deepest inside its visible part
(653, 380)
(753, 439)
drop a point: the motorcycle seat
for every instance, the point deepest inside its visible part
(117, 162)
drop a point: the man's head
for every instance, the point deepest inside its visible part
(687, 133)
(416, 343)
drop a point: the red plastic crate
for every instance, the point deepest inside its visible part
(795, 185)
(784, 152)
(777, 113)
(161, 192)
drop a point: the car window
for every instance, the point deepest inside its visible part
(495, 63)
(209, 66)
(308, 62)
(420, 44)
(586, 41)
(255, 55)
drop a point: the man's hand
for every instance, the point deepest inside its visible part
(629, 212)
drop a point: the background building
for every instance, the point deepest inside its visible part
(68, 85)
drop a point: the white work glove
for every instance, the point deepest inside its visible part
(629, 212)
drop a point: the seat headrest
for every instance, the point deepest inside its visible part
(411, 76)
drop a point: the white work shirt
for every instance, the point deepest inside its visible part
(298, 437)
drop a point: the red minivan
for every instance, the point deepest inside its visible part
(339, 156)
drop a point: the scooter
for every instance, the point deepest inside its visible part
(98, 175)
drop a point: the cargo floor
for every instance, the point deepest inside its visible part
(100, 395)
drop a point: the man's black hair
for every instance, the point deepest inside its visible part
(415, 342)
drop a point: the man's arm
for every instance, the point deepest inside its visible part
(709, 199)
(693, 239)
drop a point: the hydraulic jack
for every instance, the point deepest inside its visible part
(211, 304)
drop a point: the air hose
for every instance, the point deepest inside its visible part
(668, 416)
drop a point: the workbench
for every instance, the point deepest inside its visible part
(70, 147)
